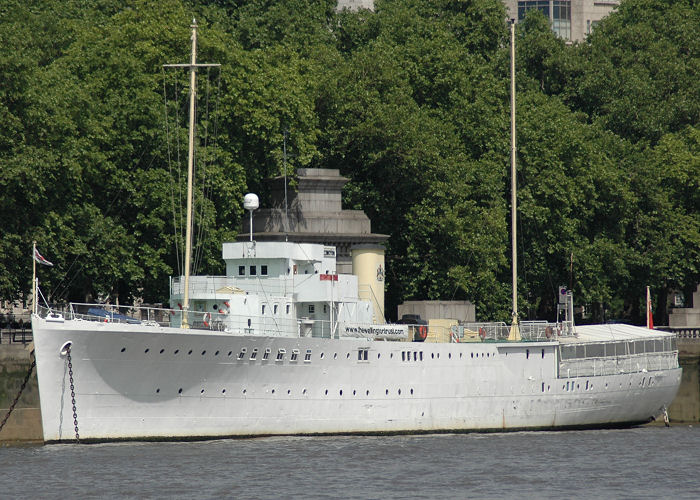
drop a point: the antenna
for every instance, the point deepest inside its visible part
(251, 203)
(286, 214)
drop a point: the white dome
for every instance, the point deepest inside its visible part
(251, 202)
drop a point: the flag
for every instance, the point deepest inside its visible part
(650, 316)
(40, 259)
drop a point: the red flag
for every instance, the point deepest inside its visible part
(40, 259)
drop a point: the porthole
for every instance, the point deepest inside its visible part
(190, 352)
(460, 355)
(146, 351)
(391, 355)
(335, 355)
(245, 391)
(399, 392)
(367, 392)
(341, 392)
(273, 391)
(303, 391)
(123, 349)
(204, 352)
(449, 355)
(202, 391)
(289, 391)
(387, 392)
(179, 391)
(542, 353)
(354, 392)
(176, 351)
(322, 354)
(230, 352)
(223, 391)
(347, 356)
(432, 355)
(157, 391)
(216, 353)
(162, 351)
(411, 392)
(326, 392)
(473, 355)
(379, 355)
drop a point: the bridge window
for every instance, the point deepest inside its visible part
(241, 270)
(263, 270)
(253, 270)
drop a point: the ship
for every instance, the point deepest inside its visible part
(284, 344)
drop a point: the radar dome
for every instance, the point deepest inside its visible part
(251, 202)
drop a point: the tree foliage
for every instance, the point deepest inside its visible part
(410, 101)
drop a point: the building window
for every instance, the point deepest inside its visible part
(559, 15)
(263, 270)
(241, 270)
(561, 18)
(253, 271)
(312, 309)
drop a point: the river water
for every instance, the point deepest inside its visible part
(644, 462)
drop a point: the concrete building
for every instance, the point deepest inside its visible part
(572, 20)
(355, 4)
(686, 317)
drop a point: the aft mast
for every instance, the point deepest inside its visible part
(190, 164)
(514, 330)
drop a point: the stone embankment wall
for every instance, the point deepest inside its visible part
(686, 406)
(25, 422)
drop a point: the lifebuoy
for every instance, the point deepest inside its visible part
(548, 332)
(482, 332)
(422, 332)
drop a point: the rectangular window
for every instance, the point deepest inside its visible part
(263, 310)
(242, 353)
(253, 271)
(266, 354)
(312, 309)
(241, 270)
(280, 354)
(295, 354)
(307, 356)
(263, 270)
(254, 354)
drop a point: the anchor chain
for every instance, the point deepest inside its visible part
(21, 389)
(72, 392)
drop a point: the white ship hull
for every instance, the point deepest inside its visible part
(139, 382)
